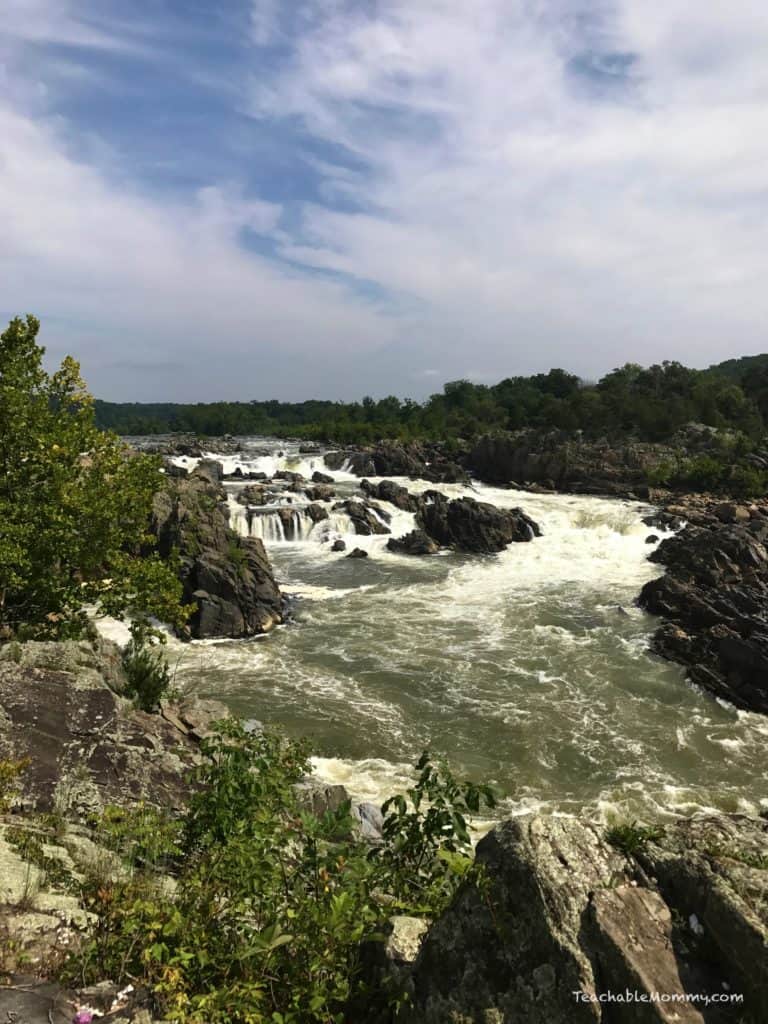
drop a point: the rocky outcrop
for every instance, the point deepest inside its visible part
(561, 918)
(417, 542)
(395, 494)
(366, 518)
(473, 526)
(62, 709)
(227, 577)
(558, 459)
(425, 460)
(714, 598)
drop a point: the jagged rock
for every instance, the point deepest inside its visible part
(320, 492)
(714, 597)
(469, 525)
(226, 576)
(60, 707)
(417, 542)
(395, 494)
(561, 917)
(316, 513)
(318, 797)
(366, 518)
(253, 494)
(209, 470)
(357, 553)
(322, 478)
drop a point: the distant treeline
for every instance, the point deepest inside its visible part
(651, 403)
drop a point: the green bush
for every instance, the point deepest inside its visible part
(147, 672)
(631, 838)
(272, 905)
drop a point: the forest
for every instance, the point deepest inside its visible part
(651, 403)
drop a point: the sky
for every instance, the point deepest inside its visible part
(253, 199)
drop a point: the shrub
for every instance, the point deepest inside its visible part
(272, 905)
(147, 672)
(631, 838)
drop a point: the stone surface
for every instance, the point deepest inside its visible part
(417, 542)
(473, 526)
(227, 577)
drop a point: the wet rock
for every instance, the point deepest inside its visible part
(468, 525)
(316, 513)
(227, 577)
(417, 542)
(339, 545)
(253, 494)
(714, 598)
(209, 470)
(652, 538)
(318, 797)
(395, 494)
(366, 518)
(320, 492)
(357, 553)
(322, 478)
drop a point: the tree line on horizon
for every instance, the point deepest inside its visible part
(651, 403)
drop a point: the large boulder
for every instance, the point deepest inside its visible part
(227, 577)
(468, 525)
(417, 542)
(560, 918)
(395, 494)
(366, 518)
(61, 708)
(714, 598)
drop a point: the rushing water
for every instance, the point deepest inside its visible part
(528, 668)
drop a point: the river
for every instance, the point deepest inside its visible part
(528, 669)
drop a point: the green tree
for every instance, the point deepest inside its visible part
(74, 505)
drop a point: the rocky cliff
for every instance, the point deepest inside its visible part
(226, 577)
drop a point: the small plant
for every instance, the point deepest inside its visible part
(271, 905)
(631, 838)
(10, 772)
(149, 678)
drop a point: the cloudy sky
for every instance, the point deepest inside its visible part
(298, 198)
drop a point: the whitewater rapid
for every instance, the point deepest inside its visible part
(528, 669)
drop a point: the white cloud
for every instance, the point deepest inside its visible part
(507, 209)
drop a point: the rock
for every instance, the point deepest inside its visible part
(652, 538)
(87, 746)
(253, 494)
(318, 797)
(370, 818)
(322, 478)
(714, 598)
(366, 518)
(30, 1000)
(514, 953)
(388, 490)
(468, 525)
(727, 512)
(209, 470)
(357, 553)
(417, 542)
(226, 576)
(199, 715)
(339, 545)
(320, 492)
(562, 917)
(316, 513)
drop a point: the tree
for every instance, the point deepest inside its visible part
(74, 505)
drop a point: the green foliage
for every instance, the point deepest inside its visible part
(631, 838)
(10, 772)
(147, 672)
(74, 505)
(651, 403)
(270, 904)
(426, 837)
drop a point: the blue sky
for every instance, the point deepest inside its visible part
(327, 198)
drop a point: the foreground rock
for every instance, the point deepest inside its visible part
(473, 526)
(227, 577)
(714, 598)
(563, 917)
(417, 542)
